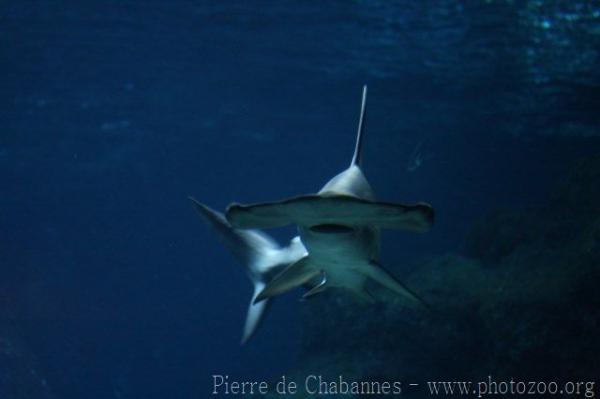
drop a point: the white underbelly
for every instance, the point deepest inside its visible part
(340, 255)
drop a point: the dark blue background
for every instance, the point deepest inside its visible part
(112, 113)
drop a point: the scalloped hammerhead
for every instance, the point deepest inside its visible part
(338, 241)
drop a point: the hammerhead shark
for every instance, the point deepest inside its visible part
(338, 242)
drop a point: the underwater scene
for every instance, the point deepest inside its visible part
(299, 199)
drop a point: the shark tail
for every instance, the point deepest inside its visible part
(256, 250)
(361, 128)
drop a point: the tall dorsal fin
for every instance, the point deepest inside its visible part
(361, 128)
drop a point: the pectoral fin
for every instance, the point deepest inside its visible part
(363, 295)
(293, 276)
(310, 210)
(317, 288)
(376, 272)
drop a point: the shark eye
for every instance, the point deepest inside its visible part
(331, 228)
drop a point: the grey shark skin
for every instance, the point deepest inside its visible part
(339, 227)
(261, 255)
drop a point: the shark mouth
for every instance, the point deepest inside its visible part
(331, 229)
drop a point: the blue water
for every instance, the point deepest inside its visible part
(112, 113)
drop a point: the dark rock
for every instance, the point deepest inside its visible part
(534, 315)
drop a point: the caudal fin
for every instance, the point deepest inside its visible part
(256, 311)
(361, 128)
(256, 250)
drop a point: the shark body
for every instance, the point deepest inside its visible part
(337, 245)
(340, 228)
